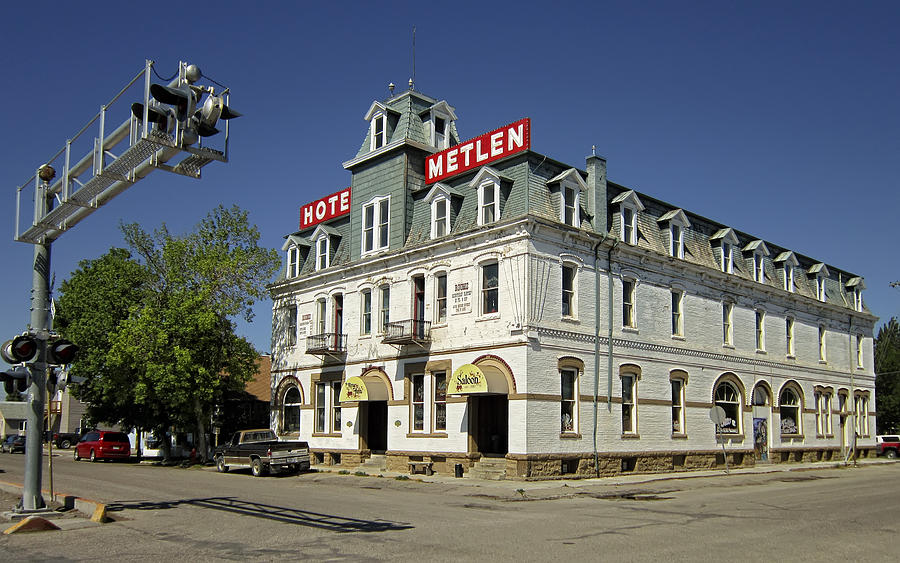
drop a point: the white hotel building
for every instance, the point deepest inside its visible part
(531, 318)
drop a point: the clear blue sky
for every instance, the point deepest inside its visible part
(778, 119)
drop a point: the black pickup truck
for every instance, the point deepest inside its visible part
(261, 451)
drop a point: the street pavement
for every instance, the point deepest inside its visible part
(793, 512)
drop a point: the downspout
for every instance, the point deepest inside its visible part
(609, 335)
(597, 344)
(855, 416)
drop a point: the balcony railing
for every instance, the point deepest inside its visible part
(328, 343)
(408, 332)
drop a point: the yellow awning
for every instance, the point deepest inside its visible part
(366, 388)
(469, 379)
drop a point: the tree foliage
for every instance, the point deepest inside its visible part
(887, 378)
(159, 344)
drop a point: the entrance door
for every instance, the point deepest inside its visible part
(489, 423)
(374, 417)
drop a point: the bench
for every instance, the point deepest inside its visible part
(423, 467)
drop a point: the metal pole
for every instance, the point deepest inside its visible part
(40, 309)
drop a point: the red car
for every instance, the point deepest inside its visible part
(103, 444)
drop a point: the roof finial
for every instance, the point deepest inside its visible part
(391, 88)
(410, 83)
(593, 149)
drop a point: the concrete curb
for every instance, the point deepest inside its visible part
(92, 509)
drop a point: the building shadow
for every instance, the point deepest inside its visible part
(270, 512)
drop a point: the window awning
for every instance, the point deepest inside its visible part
(365, 388)
(469, 379)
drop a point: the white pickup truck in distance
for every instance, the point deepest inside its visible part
(262, 452)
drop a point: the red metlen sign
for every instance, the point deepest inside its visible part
(500, 143)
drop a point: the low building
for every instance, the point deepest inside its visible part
(477, 303)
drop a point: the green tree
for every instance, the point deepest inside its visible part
(887, 377)
(94, 302)
(176, 346)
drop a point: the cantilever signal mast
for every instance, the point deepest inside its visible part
(167, 126)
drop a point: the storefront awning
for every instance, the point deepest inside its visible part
(365, 388)
(469, 379)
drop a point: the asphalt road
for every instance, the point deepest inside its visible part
(199, 515)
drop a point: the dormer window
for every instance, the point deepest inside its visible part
(726, 239)
(758, 259)
(322, 238)
(819, 273)
(440, 132)
(293, 262)
(571, 187)
(379, 131)
(727, 258)
(488, 202)
(787, 263)
(440, 119)
(855, 287)
(677, 222)
(440, 200)
(487, 182)
(629, 206)
(440, 217)
(323, 250)
(296, 249)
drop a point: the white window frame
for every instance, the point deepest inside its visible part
(320, 422)
(794, 409)
(729, 403)
(569, 295)
(677, 313)
(759, 267)
(727, 323)
(727, 257)
(417, 402)
(291, 314)
(823, 348)
(678, 395)
(629, 224)
(568, 403)
(789, 277)
(335, 407)
(323, 252)
(789, 336)
(379, 123)
(760, 330)
(821, 294)
(676, 240)
(565, 205)
(380, 230)
(862, 415)
(295, 410)
(384, 307)
(437, 403)
(322, 315)
(293, 262)
(440, 223)
(365, 312)
(629, 396)
(829, 397)
(629, 292)
(484, 290)
(857, 299)
(492, 186)
(440, 298)
(860, 359)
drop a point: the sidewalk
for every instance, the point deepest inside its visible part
(554, 488)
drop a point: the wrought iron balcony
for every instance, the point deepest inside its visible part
(408, 332)
(326, 344)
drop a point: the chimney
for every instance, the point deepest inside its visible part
(596, 181)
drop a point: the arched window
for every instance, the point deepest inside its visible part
(290, 414)
(729, 398)
(789, 406)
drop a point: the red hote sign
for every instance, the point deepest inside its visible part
(328, 207)
(500, 143)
